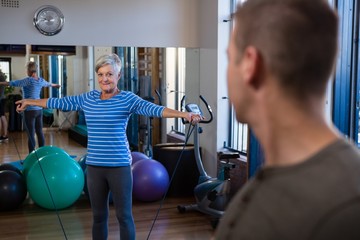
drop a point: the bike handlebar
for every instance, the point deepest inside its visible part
(207, 107)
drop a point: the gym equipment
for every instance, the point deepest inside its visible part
(12, 190)
(59, 174)
(18, 164)
(39, 153)
(145, 123)
(150, 180)
(8, 166)
(212, 194)
(66, 119)
(186, 174)
(137, 156)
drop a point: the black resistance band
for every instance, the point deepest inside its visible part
(191, 129)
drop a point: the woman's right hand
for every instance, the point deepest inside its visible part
(21, 105)
(24, 103)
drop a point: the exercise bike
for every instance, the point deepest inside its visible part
(211, 194)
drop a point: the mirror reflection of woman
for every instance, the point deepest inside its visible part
(108, 155)
(33, 116)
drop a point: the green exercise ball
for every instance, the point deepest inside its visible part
(64, 178)
(39, 153)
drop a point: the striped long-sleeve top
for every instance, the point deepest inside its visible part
(106, 123)
(31, 88)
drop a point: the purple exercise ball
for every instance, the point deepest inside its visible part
(137, 156)
(151, 180)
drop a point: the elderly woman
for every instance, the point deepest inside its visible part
(108, 155)
(31, 86)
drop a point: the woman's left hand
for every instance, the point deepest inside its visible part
(193, 118)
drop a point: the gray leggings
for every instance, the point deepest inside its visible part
(34, 124)
(118, 180)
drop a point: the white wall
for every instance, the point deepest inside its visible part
(138, 23)
(329, 91)
(213, 39)
(77, 72)
(223, 111)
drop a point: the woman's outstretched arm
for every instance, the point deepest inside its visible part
(190, 117)
(24, 103)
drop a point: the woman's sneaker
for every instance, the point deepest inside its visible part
(3, 139)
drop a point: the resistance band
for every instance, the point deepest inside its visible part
(191, 129)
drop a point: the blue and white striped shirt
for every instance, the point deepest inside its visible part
(31, 88)
(106, 123)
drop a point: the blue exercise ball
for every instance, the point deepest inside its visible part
(13, 190)
(150, 180)
(35, 155)
(137, 156)
(64, 179)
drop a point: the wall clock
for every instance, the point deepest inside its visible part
(49, 20)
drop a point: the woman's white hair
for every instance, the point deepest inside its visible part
(109, 59)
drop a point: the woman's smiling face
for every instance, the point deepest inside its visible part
(108, 78)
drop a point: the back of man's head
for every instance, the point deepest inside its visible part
(297, 40)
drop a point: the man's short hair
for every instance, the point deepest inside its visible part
(297, 40)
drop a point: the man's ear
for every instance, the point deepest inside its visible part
(251, 66)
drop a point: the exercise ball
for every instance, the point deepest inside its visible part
(35, 155)
(12, 190)
(8, 166)
(64, 179)
(137, 156)
(150, 180)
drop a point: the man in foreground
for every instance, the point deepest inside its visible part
(281, 55)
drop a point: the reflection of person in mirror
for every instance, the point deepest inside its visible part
(32, 85)
(108, 160)
(3, 122)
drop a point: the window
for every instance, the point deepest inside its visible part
(175, 85)
(5, 66)
(238, 136)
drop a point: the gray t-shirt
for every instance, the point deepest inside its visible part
(303, 201)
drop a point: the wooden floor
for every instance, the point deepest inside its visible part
(31, 222)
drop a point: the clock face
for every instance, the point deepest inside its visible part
(49, 20)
